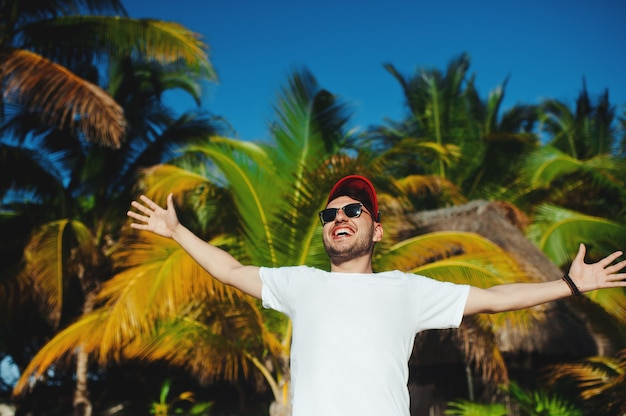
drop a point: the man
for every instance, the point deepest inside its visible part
(354, 329)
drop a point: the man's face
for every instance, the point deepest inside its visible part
(348, 238)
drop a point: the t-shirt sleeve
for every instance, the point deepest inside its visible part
(443, 306)
(275, 289)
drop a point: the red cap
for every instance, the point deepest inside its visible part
(356, 183)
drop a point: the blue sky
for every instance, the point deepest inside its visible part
(544, 47)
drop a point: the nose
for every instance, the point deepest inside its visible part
(341, 216)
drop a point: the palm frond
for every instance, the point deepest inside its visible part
(60, 97)
(558, 232)
(135, 304)
(83, 334)
(613, 301)
(599, 381)
(467, 408)
(478, 339)
(296, 226)
(158, 181)
(19, 167)
(425, 251)
(144, 39)
(546, 164)
(310, 124)
(253, 183)
(47, 256)
(158, 277)
(310, 128)
(605, 171)
(421, 188)
(215, 339)
(541, 402)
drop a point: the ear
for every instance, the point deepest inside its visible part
(378, 232)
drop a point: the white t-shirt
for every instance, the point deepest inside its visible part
(353, 335)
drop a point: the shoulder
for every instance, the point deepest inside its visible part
(411, 278)
(289, 272)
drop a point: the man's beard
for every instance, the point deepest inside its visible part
(362, 246)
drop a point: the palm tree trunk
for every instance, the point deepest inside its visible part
(82, 403)
(470, 383)
(281, 406)
(280, 409)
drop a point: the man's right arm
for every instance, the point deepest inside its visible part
(217, 262)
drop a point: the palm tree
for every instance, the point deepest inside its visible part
(437, 118)
(488, 168)
(584, 132)
(78, 218)
(574, 189)
(578, 170)
(501, 148)
(452, 133)
(47, 50)
(272, 221)
(579, 167)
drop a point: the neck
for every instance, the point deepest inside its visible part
(358, 265)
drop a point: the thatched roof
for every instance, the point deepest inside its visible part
(563, 332)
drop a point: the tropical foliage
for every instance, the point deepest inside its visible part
(263, 227)
(598, 382)
(77, 140)
(183, 404)
(526, 403)
(112, 295)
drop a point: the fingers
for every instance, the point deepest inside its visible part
(147, 210)
(610, 258)
(153, 205)
(137, 216)
(138, 226)
(615, 267)
(604, 263)
(143, 208)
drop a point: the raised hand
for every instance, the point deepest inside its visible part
(599, 275)
(154, 218)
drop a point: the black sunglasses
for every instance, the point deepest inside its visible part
(351, 210)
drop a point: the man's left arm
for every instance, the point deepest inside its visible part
(584, 277)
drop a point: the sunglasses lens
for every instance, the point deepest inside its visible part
(352, 210)
(328, 215)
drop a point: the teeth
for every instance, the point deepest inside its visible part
(342, 232)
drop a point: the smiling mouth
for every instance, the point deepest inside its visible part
(342, 232)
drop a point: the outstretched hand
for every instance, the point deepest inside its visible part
(154, 218)
(600, 275)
